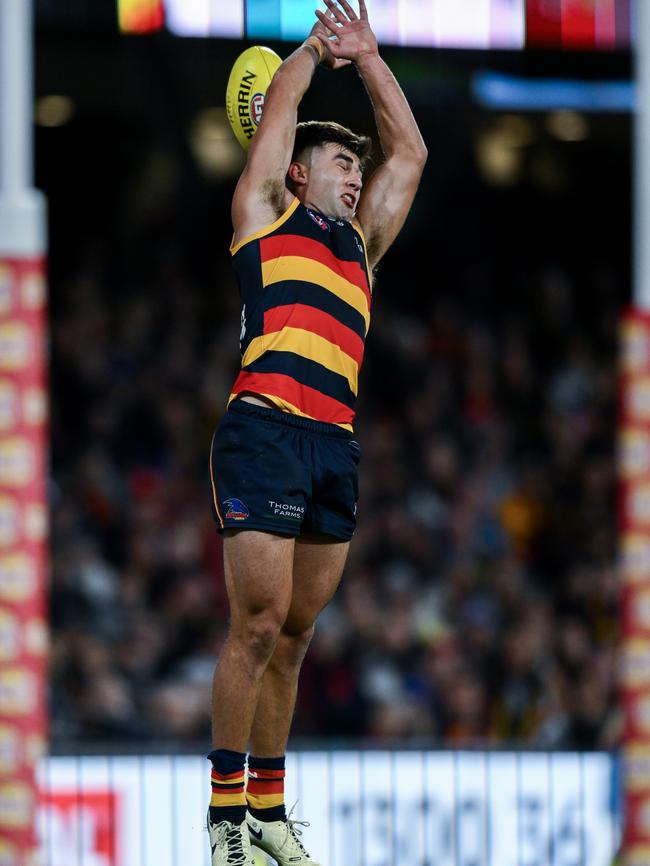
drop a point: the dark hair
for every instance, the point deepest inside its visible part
(316, 133)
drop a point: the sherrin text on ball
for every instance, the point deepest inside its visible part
(247, 85)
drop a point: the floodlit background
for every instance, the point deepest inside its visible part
(486, 416)
(470, 655)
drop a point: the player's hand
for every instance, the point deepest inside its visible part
(349, 37)
(321, 33)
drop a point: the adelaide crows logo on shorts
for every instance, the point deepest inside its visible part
(236, 509)
(320, 222)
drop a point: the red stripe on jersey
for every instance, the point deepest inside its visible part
(317, 322)
(265, 786)
(306, 399)
(296, 245)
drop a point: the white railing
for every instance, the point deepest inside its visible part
(366, 808)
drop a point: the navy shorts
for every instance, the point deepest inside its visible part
(283, 473)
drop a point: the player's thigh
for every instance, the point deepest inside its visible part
(258, 570)
(318, 563)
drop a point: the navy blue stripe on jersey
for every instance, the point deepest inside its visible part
(298, 292)
(306, 372)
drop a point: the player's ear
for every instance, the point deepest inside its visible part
(298, 173)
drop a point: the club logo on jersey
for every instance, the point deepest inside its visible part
(236, 509)
(257, 104)
(318, 219)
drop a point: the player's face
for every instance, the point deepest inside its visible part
(334, 183)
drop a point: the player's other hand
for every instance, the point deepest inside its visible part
(328, 60)
(348, 36)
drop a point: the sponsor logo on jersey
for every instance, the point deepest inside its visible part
(318, 219)
(284, 509)
(242, 331)
(236, 509)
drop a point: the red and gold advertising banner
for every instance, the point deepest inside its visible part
(23, 529)
(634, 525)
(578, 24)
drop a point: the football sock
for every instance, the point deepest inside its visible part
(228, 801)
(265, 788)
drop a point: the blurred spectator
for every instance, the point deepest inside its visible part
(479, 600)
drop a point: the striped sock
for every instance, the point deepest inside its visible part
(228, 801)
(265, 788)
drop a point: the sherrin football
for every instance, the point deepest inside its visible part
(249, 80)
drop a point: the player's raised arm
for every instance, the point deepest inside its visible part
(387, 198)
(261, 194)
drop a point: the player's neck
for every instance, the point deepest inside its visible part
(312, 204)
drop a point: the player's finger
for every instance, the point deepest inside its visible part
(349, 11)
(328, 22)
(363, 12)
(336, 12)
(329, 44)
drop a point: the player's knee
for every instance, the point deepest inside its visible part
(294, 645)
(261, 636)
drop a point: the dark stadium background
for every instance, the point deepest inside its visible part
(479, 603)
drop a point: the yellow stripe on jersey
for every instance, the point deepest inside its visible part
(310, 271)
(307, 345)
(235, 247)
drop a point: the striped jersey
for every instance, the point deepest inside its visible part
(305, 287)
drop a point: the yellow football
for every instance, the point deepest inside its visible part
(249, 80)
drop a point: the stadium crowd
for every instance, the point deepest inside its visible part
(479, 601)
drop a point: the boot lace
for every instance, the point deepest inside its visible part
(294, 831)
(230, 835)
